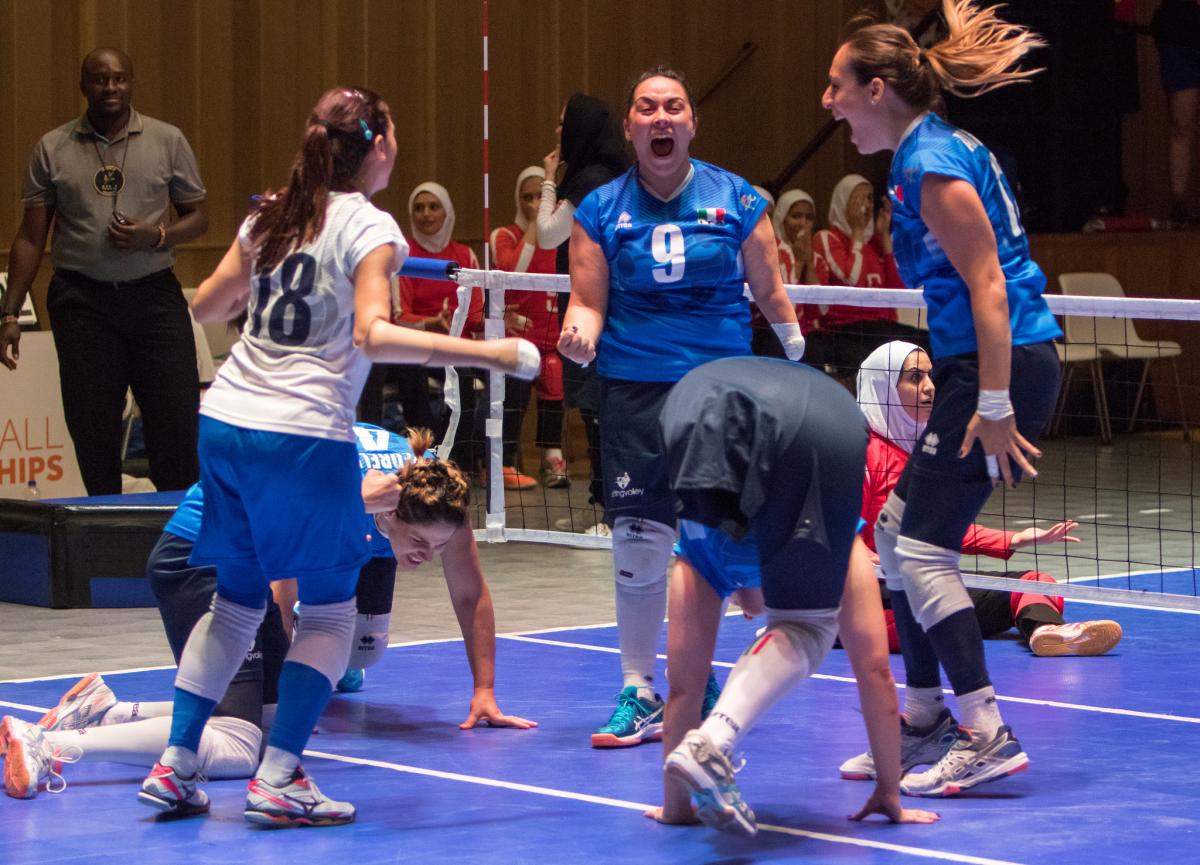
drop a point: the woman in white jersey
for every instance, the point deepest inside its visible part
(311, 268)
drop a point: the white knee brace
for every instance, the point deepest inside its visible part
(887, 532)
(641, 553)
(811, 634)
(370, 639)
(323, 637)
(932, 581)
(216, 648)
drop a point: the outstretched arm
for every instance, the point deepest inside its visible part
(860, 625)
(473, 607)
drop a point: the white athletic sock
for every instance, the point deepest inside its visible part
(228, 747)
(184, 761)
(639, 625)
(277, 766)
(922, 706)
(552, 454)
(978, 712)
(124, 712)
(786, 654)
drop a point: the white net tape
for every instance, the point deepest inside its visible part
(1134, 497)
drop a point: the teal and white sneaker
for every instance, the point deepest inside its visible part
(918, 747)
(708, 774)
(969, 762)
(712, 693)
(352, 680)
(633, 722)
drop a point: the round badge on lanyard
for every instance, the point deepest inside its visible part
(109, 180)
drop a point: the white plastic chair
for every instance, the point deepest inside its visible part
(1070, 355)
(1117, 338)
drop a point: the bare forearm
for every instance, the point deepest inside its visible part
(881, 714)
(186, 228)
(477, 621)
(989, 308)
(23, 261)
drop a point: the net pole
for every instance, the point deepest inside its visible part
(493, 326)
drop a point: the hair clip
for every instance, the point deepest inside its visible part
(366, 130)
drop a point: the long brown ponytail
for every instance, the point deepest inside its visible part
(341, 131)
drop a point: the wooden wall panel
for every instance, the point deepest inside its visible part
(238, 76)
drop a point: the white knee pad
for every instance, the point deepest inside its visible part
(323, 637)
(811, 633)
(932, 581)
(641, 553)
(216, 648)
(370, 639)
(229, 749)
(887, 533)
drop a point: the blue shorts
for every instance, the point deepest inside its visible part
(727, 565)
(942, 493)
(278, 506)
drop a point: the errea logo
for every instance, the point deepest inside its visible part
(623, 480)
(624, 221)
(931, 444)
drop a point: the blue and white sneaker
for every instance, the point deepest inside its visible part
(296, 803)
(918, 747)
(633, 722)
(710, 776)
(712, 693)
(969, 762)
(352, 680)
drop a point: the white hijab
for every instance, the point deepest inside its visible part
(841, 198)
(879, 400)
(784, 206)
(433, 242)
(532, 171)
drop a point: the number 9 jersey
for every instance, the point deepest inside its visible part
(296, 369)
(933, 146)
(676, 281)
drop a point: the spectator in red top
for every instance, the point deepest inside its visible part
(896, 393)
(793, 218)
(533, 315)
(855, 251)
(429, 304)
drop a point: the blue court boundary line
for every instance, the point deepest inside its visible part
(642, 807)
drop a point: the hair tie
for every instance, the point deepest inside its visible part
(922, 57)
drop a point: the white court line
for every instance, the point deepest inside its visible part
(642, 806)
(1156, 511)
(23, 707)
(1054, 704)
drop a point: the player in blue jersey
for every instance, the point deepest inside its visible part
(311, 267)
(767, 459)
(957, 233)
(659, 257)
(413, 508)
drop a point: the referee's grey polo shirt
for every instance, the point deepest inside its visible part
(65, 172)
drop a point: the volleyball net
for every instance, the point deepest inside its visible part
(1119, 457)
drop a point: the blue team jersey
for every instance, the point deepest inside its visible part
(933, 146)
(676, 279)
(378, 449)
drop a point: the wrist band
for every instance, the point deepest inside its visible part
(791, 338)
(994, 405)
(162, 237)
(10, 318)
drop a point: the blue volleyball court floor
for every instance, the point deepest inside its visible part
(1113, 743)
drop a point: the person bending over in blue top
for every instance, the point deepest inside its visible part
(415, 508)
(767, 459)
(956, 231)
(659, 259)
